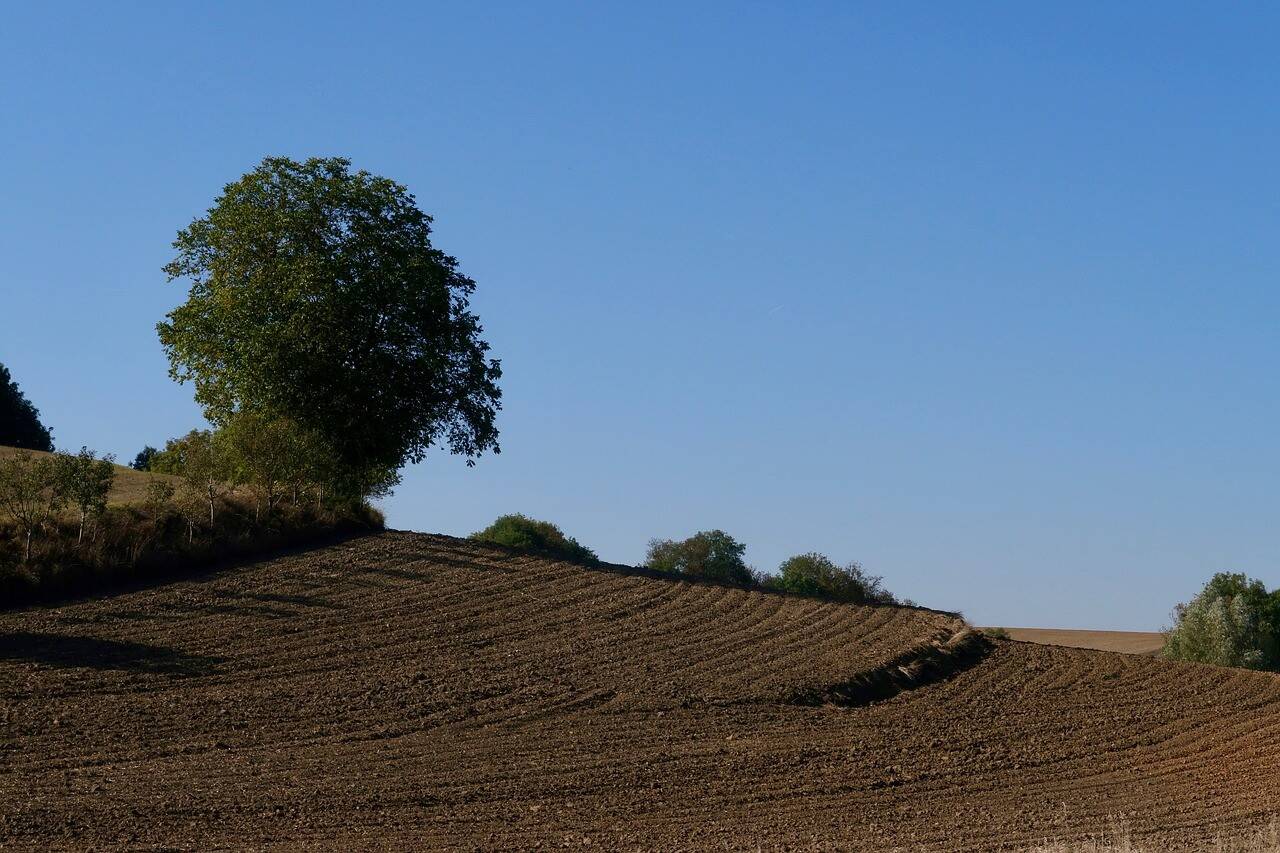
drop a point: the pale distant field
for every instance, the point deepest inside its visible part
(1129, 642)
(130, 486)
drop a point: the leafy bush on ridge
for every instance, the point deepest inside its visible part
(529, 534)
(817, 574)
(709, 554)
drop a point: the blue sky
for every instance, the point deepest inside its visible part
(980, 295)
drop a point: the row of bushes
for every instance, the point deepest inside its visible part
(709, 555)
(1233, 621)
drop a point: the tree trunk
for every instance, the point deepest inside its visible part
(80, 536)
(27, 556)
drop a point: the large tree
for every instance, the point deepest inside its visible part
(19, 420)
(317, 296)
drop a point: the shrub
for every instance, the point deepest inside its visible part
(816, 574)
(710, 554)
(1233, 621)
(528, 534)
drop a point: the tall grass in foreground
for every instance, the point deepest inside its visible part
(1119, 839)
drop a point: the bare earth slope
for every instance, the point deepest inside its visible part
(410, 691)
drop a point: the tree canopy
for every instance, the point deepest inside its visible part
(317, 296)
(19, 420)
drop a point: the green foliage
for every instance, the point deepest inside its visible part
(816, 574)
(159, 499)
(142, 462)
(273, 458)
(264, 454)
(202, 460)
(19, 420)
(1234, 621)
(84, 481)
(29, 494)
(529, 534)
(172, 460)
(317, 297)
(997, 633)
(710, 554)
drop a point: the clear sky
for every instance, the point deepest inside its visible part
(981, 295)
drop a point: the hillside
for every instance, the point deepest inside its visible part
(130, 486)
(406, 691)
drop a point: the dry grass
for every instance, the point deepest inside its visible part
(1118, 838)
(130, 486)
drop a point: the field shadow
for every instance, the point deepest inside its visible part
(309, 601)
(61, 650)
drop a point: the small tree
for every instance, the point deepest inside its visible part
(711, 554)
(1233, 621)
(816, 574)
(85, 481)
(190, 502)
(159, 498)
(29, 494)
(529, 534)
(142, 462)
(201, 459)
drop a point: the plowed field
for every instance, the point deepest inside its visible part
(406, 691)
(1130, 642)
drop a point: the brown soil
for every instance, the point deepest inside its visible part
(405, 691)
(1129, 642)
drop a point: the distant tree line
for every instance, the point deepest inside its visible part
(709, 555)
